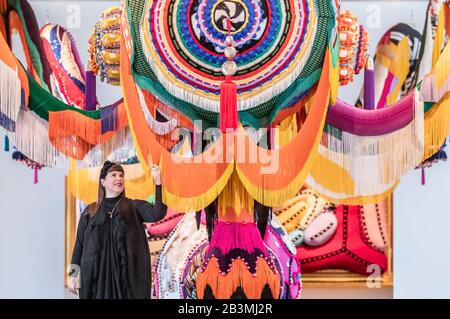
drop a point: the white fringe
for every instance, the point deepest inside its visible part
(429, 90)
(32, 140)
(160, 128)
(10, 92)
(118, 148)
(375, 163)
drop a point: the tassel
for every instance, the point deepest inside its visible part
(6, 143)
(423, 175)
(228, 105)
(35, 175)
(228, 89)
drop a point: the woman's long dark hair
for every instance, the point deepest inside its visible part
(95, 207)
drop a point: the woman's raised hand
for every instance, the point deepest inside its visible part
(156, 173)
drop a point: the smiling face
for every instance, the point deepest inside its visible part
(113, 183)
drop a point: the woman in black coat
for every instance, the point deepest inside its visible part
(111, 258)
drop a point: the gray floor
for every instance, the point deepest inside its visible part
(326, 293)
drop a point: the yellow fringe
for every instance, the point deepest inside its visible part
(360, 200)
(334, 178)
(192, 204)
(355, 167)
(334, 75)
(234, 200)
(437, 126)
(143, 161)
(83, 183)
(285, 131)
(437, 119)
(439, 36)
(278, 197)
(399, 68)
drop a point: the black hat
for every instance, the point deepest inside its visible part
(109, 167)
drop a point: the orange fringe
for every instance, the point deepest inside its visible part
(74, 134)
(67, 123)
(279, 179)
(197, 183)
(223, 286)
(2, 27)
(6, 54)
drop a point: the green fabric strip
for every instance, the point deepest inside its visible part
(42, 102)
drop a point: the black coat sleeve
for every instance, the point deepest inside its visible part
(79, 240)
(150, 213)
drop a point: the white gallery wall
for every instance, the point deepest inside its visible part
(32, 216)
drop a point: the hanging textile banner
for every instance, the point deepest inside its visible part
(212, 176)
(68, 79)
(21, 19)
(364, 153)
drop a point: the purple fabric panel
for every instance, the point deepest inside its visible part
(90, 92)
(369, 89)
(108, 117)
(361, 122)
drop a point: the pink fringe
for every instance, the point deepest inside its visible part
(36, 175)
(228, 236)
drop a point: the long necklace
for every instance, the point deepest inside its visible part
(114, 208)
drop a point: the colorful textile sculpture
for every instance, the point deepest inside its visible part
(158, 233)
(354, 47)
(175, 258)
(186, 248)
(287, 61)
(67, 78)
(181, 65)
(21, 19)
(213, 174)
(104, 46)
(394, 78)
(350, 144)
(348, 249)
